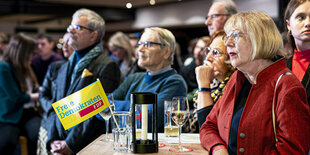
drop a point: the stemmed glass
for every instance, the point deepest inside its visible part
(180, 114)
(106, 115)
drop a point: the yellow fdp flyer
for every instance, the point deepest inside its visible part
(81, 105)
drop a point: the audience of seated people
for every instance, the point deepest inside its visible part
(17, 82)
(209, 80)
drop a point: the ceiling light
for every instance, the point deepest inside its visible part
(152, 2)
(129, 5)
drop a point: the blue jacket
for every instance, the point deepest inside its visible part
(166, 85)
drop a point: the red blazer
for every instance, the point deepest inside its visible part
(255, 135)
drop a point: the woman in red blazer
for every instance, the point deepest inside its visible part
(241, 121)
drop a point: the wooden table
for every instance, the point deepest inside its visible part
(98, 147)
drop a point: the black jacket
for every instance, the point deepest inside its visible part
(56, 87)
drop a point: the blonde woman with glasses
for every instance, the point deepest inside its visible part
(242, 120)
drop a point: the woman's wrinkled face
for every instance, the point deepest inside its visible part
(299, 23)
(239, 48)
(216, 55)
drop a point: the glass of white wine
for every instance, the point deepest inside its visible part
(106, 115)
(180, 114)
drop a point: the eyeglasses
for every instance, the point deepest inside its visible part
(78, 27)
(234, 35)
(213, 16)
(148, 44)
(215, 52)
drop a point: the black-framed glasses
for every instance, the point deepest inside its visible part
(213, 16)
(78, 27)
(215, 52)
(148, 44)
(234, 35)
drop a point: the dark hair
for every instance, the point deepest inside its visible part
(291, 7)
(18, 54)
(48, 37)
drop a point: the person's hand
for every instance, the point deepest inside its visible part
(34, 97)
(60, 147)
(221, 152)
(54, 146)
(204, 75)
(220, 67)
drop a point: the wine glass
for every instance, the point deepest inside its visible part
(180, 114)
(106, 115)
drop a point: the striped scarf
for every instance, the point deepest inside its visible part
(85, 61)
(218, 91)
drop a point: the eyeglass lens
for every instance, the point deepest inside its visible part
(233, 35)
(215, 52)
(148, 44)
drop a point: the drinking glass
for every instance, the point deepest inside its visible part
(171, 129)
(106, 115)
(121, 131)
(180, 114)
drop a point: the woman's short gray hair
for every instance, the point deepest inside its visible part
(95, 21)
(166, 37)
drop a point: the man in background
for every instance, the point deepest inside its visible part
(218, 14)
(45, 56)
